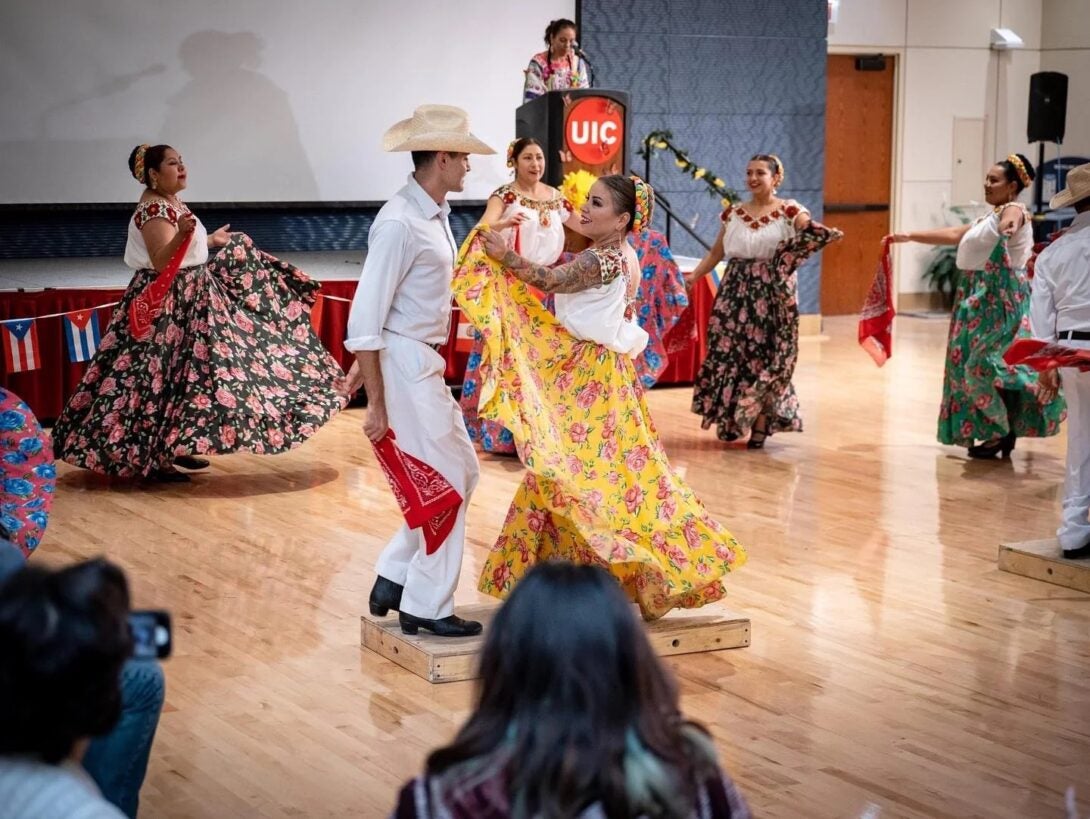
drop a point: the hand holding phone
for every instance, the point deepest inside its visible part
(151, 638)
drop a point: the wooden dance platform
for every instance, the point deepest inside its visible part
(446, 659)
(1043, 560)
(894, 665)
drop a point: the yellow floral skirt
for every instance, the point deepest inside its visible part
(598, 488)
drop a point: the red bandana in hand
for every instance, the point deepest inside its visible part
(426, 498)
(876, 322)
(1045, 355)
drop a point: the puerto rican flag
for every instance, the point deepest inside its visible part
(81, 333)
(21, 350)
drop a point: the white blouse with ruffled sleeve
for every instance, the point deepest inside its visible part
(598, 314)
(540, 237)
(750, 238)
(136, 251)
(978, 243)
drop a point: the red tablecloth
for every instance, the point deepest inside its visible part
(685, 362)
(47, 388)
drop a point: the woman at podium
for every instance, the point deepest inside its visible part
(559, 67)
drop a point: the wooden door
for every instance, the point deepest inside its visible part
(858, 177)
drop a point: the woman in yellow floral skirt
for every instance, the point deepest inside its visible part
(599, 488)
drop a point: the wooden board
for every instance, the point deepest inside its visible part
(1041, 560)
(446, 659)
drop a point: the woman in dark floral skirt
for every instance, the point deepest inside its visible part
(744, 386)
(229, 363)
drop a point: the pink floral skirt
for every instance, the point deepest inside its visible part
(232, 365)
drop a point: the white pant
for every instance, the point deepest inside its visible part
(428, 424)
(1074, 529)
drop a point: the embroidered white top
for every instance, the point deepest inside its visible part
(136, 251)
(598, 313)
(977, 245)
(1061, 284)
(749, 238)
(540, 238)
(405, 284)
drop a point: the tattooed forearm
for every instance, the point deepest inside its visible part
(581, 273)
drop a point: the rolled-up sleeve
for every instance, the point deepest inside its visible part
(1042, 304)
(389, 257)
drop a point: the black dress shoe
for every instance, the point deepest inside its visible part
(385, 595)
(1081, 553)
(191, 462)
(453, 626)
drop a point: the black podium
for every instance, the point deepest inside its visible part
(578, 129)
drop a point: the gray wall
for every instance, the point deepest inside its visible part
(729, 78)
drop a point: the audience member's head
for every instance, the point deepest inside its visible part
(64, 635)
(574, 708)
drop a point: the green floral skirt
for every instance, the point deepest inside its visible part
(990, 311)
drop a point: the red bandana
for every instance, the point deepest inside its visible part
(426, 498)
(1044, 355)
(876, 322)
(145, 308)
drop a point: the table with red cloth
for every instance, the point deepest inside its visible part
(47, 388)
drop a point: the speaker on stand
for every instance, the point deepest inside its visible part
(1046, 121)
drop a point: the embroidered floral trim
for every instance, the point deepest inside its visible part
(757, 222)
(610, 260)
(156, 209)
(543, 207)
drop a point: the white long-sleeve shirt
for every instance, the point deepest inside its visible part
(405, 284)
(1061, 283)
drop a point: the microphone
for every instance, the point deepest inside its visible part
(579, 52)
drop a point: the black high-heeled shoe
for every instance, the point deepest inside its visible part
(191, 462)
(758, 436)
(1000, 447)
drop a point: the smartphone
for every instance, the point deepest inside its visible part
(150, 634)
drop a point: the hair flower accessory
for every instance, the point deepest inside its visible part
(645, 205)
(1020, 169)
(138, 164)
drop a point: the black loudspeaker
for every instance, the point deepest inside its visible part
(1047, 107)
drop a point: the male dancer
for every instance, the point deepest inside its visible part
(399, 317)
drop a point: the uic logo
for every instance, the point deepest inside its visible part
(594, 130)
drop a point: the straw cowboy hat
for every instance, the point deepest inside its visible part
(434, 128)
(1078, 188)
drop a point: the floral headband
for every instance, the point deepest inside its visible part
(511, 153)
(780, 170)
(138, 164)
(1020, 169)
(645, 205)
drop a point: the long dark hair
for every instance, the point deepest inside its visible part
(554, 28)
(572, 698)
(64, 636)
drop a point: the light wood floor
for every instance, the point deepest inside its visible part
(892, 663)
